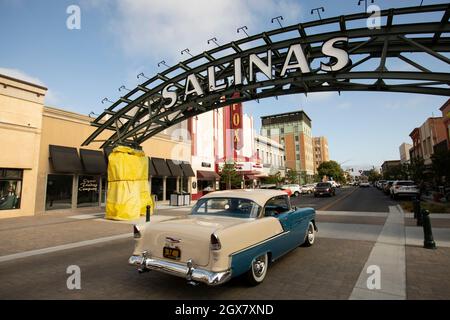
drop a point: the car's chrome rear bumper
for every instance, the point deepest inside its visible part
(187, 271)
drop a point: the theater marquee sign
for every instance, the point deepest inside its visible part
(348, 56)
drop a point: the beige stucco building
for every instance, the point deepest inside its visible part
(33, 180)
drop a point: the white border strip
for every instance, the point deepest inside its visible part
(26, 254)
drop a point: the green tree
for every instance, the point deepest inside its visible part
(416, 169)
(374, 176)
(331, 169)
(273, 179)
(292, 176)
(230, 176)
(441, 166)
(395, 173)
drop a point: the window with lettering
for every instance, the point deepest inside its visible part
(88, 191)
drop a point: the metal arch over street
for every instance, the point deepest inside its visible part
(286, 61)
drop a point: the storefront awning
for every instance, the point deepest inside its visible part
(65, 159)
(207, 175)
(174, 168)
(187, 169)
(161, 167)
(251, 177)
(151, 168)
(93, 161)
(107, 151)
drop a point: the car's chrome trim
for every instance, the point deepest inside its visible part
(189, 271)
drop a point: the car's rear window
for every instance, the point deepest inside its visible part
(405, 183)
(323, 184)
(230, 207)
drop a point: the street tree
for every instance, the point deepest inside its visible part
(374, 176)
(441, 166)
(292, 176)
(273, 179)
(331, 169)
(230, 176)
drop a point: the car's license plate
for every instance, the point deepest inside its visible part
(171, 253)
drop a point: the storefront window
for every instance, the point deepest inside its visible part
(88, 191)
(171, 186)
(185, 184)
(10, 188)
(59, 192)
(103, 195)
(157, 187)
(205, 185)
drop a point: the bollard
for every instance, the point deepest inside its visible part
(416, 206)
(428, 241)
(147, 214)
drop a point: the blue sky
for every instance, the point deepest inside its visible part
(119, 39)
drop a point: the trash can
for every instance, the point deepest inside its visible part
(176, 199)
(180, 199)
(186, 199)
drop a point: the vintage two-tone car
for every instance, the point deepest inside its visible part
(227, 234)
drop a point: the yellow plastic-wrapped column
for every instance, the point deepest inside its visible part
(128, 190)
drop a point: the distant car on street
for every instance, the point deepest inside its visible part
(404, 188)
(324, 188)
(334, 184)
(379, 184)
(364, 184)
(274, 187)
(295, 189)
(308, 188)
(387, 187)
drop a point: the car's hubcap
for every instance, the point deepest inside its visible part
(259, 266)
(311, 234)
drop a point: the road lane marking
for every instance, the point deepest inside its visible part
(389, 255)
(73, 245)
(337, 200)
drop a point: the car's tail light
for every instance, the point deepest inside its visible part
(215, 243)
(136, 232)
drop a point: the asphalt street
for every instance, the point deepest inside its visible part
(328, 270)
(348, 199)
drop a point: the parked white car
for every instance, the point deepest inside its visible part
(227, 234)
(308, 188)
(404, 188)
(334, 183)
(296, 189)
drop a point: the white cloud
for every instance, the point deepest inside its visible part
(160, 29)
(52, 98)
(18, 74)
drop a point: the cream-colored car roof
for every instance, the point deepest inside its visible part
(260, 196)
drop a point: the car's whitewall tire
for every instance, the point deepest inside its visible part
(310, 235)
(258, 269)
